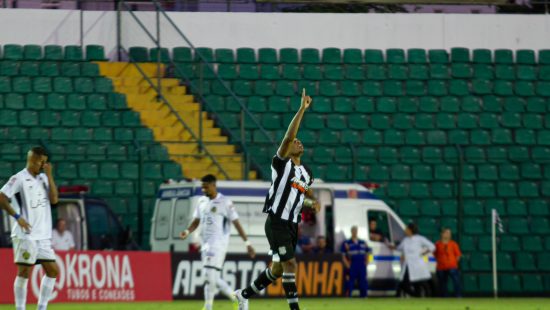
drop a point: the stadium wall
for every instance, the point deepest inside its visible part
(233, 30)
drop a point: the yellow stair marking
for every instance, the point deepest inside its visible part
(142, 97)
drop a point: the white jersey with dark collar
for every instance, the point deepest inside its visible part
(30, 198)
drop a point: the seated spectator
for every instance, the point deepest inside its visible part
(305, 246)
(62, 239)
(321, 246)
(375, 234)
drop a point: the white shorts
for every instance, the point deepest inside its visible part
(30, 252)
(213, 256)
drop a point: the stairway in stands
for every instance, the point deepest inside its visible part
(167, 129)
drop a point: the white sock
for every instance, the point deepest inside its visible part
(225, 289)
(46, 289)
(20, 292)
(209, 288)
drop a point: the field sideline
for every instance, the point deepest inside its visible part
(327, 304)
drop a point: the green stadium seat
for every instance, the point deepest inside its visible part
(88, 170)
(459, 88)
(505, 72)
(329, 136)
(402, 121)
(482, 87)
(518, 226)
(53, 52)
(398, 72)
(263, 88)
(372, 88)
(334, 72)
(9, 68)
(353, 56)
(480, 262)
(544, 57)
(267, 55)
(329, 88)
(14, 101)
(418, 72)
(460, 54)
(32, 52)
(62, 85)
(504, 56)
(393, 88)
(159, 54)
(29, 69)
(439, 71)
(66, 170)
(74, 53)
(330, 55)
(540, 225)
(482, 71)
(95, 53)
(416, 56)
(21, 84)
(246, 55)
(437, 88)
(127, 171)
(118, 152)
(532, 244)
(538, 208)
(291, 72)
(438, 56)
(376, 72)
(13, 52)
(525, 262)
(482, 56)
(526, 73)
(395, 56)
(373, 56)
(101, 187)
(205, 55)
(525, 57)
(224, 55)
(182, 55)
(313, 72)
(288, 56)
(532, 283)
(337, 122)
(110, 171)
(524, 88)
(269, 72)
(489, 121)
(510, 284)
(414, 88)
(484, 244)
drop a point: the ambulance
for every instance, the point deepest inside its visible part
(343, 205)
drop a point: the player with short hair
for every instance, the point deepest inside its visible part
(35, 191)
(291, 184)
(215, 212)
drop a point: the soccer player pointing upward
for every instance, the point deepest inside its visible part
(290, 185)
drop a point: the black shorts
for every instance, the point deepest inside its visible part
(282, 236)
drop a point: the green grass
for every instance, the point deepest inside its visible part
(327, 304)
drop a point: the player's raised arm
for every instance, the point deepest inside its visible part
(292, 130)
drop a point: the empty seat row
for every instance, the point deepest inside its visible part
(115, 171)
(14, 154)
(63, 102)
(394, 88)
(337, 55)
(527, 283)
(64, 85)
(505, 243)
(294, 72)
(69, 118)
(76, 134)
(49, 68)
(517, 262)
(472, 207)
(428, 104)
(52, 52)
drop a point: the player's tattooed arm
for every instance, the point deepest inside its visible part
(314, 202)
(292, 130)
(192, 227)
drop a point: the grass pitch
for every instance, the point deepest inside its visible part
(326, 304)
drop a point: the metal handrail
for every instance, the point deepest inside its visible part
(180, 120)
(211, 68)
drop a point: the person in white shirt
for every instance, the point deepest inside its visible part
(32, 191)
(214, 213)
(415, 274)
(62, 239)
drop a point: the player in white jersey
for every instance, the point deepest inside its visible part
(215, 213)
(35, 191)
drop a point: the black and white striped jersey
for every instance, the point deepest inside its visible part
(289, 184)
